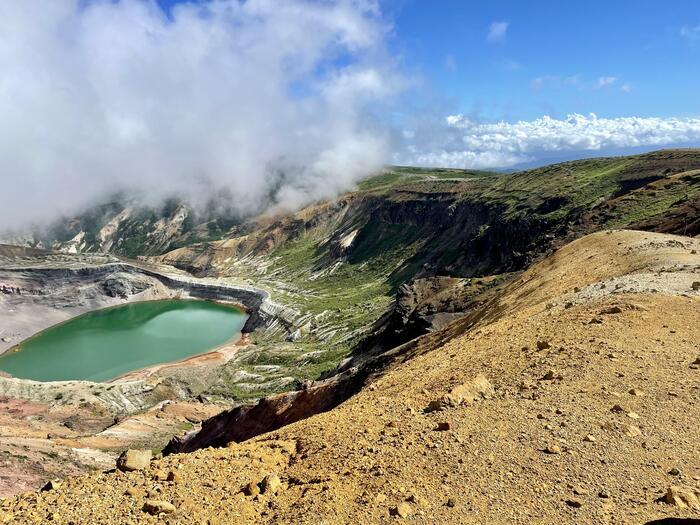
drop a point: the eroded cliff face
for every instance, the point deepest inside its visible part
(44, 289)
(126, 226)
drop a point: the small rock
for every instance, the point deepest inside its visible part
(443, 426)
(604, 494)
(632, 431)
(135, 492)
(414, 498)
(617, 409)
(681, 497)
(551, 374)
(270, 484)
(434, 406)
(580, 491)
(636, 392)
(52, 484)
(451, 502)
(674, 472)
(543, 345)
(574, 502)
(402, 510)
(133, 459)
(174, 476)
(607, 426)
(695, 286)
(553, 449)
(156, 507)
(160, 475)
(251, 489)
(590, 438)
(612, 310)
(633, 415)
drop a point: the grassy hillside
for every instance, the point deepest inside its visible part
(341, 263)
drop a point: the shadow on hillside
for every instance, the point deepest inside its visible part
(674, 521)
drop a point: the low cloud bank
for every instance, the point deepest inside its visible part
(272, 101)
(464, 143)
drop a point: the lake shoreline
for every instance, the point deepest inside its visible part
(219, 355)
(108, 343)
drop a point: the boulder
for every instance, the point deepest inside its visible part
(156, 507)
(134, 459)
(681, 497)
(270, 484)
(465, 394)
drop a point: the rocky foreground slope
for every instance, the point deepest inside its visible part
(570, 398)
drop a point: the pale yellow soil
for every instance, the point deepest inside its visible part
(380, 450)
(39, 442)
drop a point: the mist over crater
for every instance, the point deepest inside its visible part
(271, 103)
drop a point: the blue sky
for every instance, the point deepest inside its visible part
(551, 57)
(107, 94)
(553, 54)
(614, 77)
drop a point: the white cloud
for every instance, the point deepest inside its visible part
(604, 82)
(626, 87)
(255, 96)
(690, 33)
(497, 31)
(450, 63)
(462, 142)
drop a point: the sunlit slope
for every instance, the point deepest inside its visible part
(591, 406)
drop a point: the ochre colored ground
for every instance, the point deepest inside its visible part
(621, 323)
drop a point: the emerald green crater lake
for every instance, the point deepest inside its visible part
(104, 344)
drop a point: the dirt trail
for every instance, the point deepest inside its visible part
(594, 359)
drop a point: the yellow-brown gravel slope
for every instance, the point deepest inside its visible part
(592, 425)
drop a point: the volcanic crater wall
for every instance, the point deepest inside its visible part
(48, 294)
